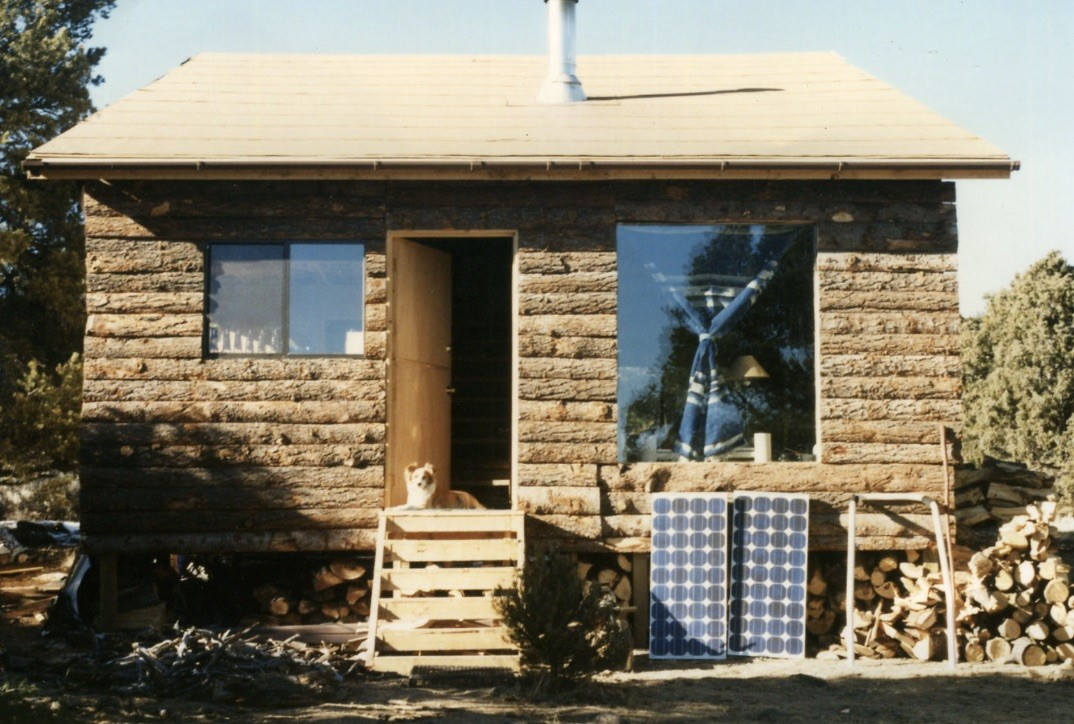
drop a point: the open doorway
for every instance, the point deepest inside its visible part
(451, 349)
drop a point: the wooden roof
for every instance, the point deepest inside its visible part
(800, 115)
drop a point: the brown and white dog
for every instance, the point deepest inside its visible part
(424, 493)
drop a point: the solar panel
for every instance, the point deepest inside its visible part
(688, 576)
(769, 543)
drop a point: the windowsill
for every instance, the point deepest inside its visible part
(741, 454)
(251, 355)
(729, 464)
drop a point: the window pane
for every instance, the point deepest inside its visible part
(245, 298)
(678, 285)
(326, 299)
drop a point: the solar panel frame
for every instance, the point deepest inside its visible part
(769, 557)
(688, 576)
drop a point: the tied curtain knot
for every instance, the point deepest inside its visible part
(711, 422)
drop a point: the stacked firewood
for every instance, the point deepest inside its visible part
(900, 606)
(612, 571)
(997, 491)
(336, 592)
(824, 603)
(1018, 606)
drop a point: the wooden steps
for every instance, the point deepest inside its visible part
(433, 580)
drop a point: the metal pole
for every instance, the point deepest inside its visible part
(848, 632)
(948, 581)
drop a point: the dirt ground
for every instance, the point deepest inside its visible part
(737, 690)
(761, 690)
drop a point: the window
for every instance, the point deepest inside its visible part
(715, 341)
(285, 299)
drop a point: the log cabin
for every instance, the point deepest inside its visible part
(691, 273)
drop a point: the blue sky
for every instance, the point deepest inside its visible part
(1003, 69)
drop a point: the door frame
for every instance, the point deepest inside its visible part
(477, 235)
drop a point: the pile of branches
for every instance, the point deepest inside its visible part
(229, 666)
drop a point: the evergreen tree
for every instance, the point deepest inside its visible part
(1018, 371)
(40, 420)
(566, 629)
(46, 70)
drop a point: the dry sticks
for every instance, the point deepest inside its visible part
(221, 666)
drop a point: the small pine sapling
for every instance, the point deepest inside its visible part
(566, 629)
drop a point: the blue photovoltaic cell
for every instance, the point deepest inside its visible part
(769, 543)
(688, 576)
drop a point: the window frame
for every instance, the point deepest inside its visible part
(813, 246)
(285, 299)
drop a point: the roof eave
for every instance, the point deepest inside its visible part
(522, 170)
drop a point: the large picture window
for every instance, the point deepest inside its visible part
(285, 299)
(715, 341)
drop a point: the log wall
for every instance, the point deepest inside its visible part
(278, 454)
(228, 453)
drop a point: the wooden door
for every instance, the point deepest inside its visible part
(419, 402)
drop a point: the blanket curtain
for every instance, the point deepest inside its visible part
(711, 422)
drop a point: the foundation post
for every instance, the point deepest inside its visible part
(109, 591)
(641, 600)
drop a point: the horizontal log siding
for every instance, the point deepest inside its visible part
(271, 454)
(888, 367)
(286, 439)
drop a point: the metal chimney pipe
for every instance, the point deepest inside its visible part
(561, 85)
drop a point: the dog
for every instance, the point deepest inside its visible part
(424, 493)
